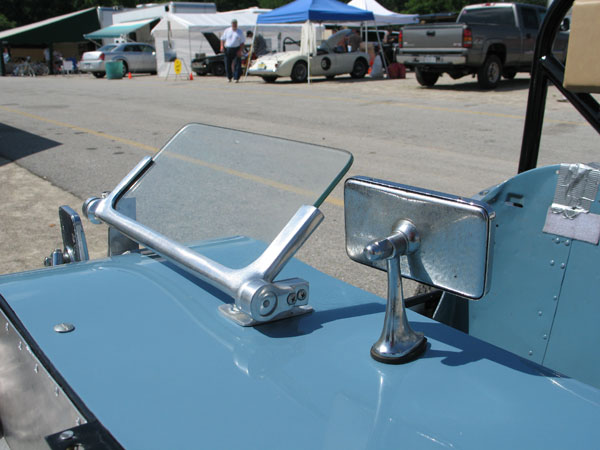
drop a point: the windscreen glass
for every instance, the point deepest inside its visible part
(210, 183)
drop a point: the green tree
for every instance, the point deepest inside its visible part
(6, 24)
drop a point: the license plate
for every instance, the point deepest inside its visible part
(262, 66)
(429, 59)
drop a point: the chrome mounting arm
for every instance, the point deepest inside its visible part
(398, 342)
(258, 299)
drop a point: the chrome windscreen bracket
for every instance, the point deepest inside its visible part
(73, 237)
(257, 297)
(433, 238)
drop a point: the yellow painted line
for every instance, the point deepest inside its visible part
(148, 148)
(251, 177)
(199, 162)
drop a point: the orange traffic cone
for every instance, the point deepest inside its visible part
(191, 77)
(129, 75)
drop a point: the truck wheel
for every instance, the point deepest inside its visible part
(426, 78)
(299, 72)
(489, 74)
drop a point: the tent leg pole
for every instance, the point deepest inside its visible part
(250, 52)
(381, 51)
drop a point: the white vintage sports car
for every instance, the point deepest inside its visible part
(331, 59)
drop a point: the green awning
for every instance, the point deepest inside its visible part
(66, 28)
(119, 29)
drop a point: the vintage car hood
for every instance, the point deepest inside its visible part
(159, 367)
(278, 56)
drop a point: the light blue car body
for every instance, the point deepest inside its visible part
(159, 367)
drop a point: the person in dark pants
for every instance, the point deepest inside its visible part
(231, 42)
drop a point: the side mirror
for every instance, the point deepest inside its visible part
(433, 238)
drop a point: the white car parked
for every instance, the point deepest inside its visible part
(331, 59)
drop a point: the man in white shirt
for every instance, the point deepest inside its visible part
(231, 42)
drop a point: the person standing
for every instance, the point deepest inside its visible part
(354, 41)
(260, 45)
(231, 42)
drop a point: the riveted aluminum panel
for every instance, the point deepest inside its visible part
(32, 403)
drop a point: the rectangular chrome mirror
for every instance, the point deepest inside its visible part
(454, 233)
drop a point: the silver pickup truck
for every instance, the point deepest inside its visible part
(489, 40)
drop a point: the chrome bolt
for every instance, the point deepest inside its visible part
(291, 299)
(530, 352)
(555, 297)
(551, 262)
(67, 434)
(545, 337)
(268, 302)
(301, 295)
(563, 265)
(557, 240)
(105, 194)
(567, 242)
(64, 327)
(540, 313)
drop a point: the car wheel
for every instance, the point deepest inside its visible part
(99, 74)
(509, 74)
(269, 79)
(299, 72)
(489, 74)
(360, 68)
(218, 69)
(425, 78)
(125, 68)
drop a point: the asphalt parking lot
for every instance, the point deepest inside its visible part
(65, 138)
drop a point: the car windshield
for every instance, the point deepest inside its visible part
(210, 183)
(107, 48)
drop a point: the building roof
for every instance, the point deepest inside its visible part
(66, 28)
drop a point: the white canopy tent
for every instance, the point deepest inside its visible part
(384, 16)
(182, 35)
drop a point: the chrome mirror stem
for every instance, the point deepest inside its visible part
(398, 343)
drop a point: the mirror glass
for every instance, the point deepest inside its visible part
(210, 183)
(454, 233)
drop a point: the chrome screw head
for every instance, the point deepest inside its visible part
(67, 434)
(291, 299)
(301, 295)
(64, 327)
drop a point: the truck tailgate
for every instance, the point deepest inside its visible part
(432, 38)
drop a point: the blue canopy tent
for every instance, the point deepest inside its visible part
(300, 11)
(315, 11)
